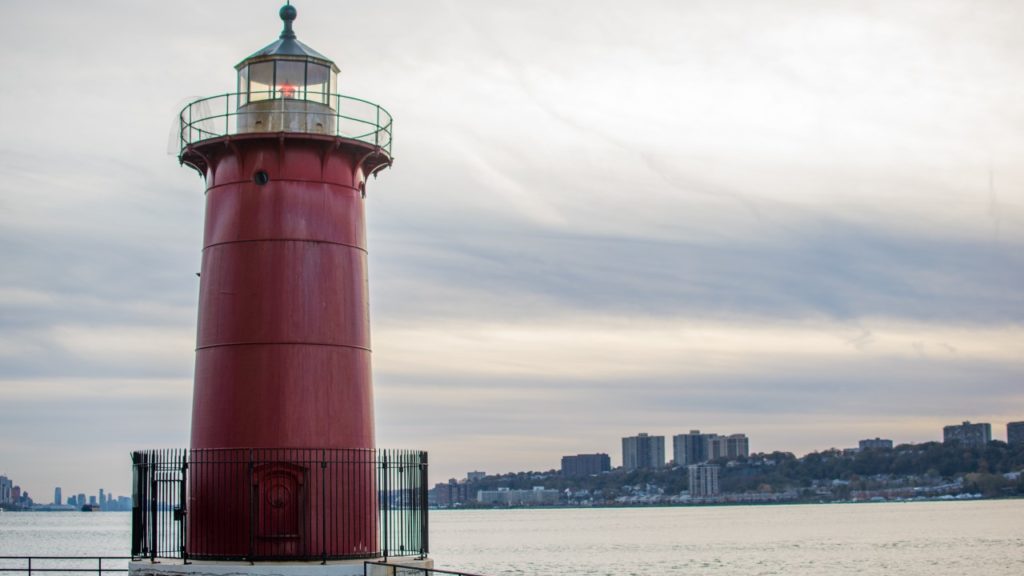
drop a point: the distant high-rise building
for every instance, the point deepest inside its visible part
(57, 499)
(690, 448)
(585, 464)
(1015, 433)
(715, 447)
(737, 446)
(967, 434)
(475, 476)
(102, 498)
(643, 452)
(697, 448)
(80, 501)
(6, 485)
(875, 443)
(15, 494)
(704, 480)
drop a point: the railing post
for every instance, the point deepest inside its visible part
(29, 566)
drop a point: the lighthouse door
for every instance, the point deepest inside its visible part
(280, 509)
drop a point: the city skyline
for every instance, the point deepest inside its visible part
(803, 221)
(863, 443)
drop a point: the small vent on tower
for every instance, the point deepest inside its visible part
(260, 177)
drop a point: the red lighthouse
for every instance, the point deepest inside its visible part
(283, 463)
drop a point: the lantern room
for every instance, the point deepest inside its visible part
(282, 84)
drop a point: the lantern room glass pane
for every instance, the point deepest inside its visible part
(243, 86)
(261, 81)
(291, 79)
(333, 89)
(316, 83)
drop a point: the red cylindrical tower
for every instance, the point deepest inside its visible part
(283, 398)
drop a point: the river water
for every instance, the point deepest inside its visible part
(920, 538)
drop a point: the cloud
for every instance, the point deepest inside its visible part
(827, 268)
(804, 221)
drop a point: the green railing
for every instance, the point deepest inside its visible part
(332, 115)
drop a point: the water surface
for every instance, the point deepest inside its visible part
(912, 539)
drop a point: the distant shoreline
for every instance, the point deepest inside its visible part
(722, 504)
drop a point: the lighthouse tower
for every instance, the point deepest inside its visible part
(282, 464)
(283, 346)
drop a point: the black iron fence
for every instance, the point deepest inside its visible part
(279, 504)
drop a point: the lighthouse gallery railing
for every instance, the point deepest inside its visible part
(247, 113)
(279, 504)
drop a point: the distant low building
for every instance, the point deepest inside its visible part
(475, 476)
(1015, 433)
(704, 481)
(452, 493)
(585, 464)
(967, 434)
(875, 443)
(643, 452)
(539, 496)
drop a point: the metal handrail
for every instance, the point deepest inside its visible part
(224, 115)
(28, 569)
(397, 569)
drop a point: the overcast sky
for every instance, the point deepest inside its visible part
(801, 220)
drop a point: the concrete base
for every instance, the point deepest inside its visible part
(171, 567)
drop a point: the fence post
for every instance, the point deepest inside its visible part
(385, 504)
(135, 504)
(424, 507)
(252, 508)
(323, 506)
(153, 505)
(183, 526)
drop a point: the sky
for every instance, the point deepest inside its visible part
(799, 220)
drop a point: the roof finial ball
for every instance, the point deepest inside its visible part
(288, 14)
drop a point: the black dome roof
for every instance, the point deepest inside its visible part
(287, 45)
